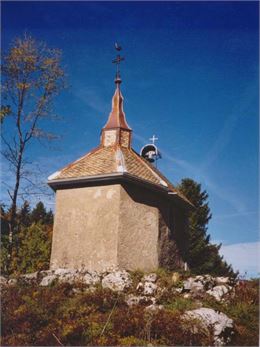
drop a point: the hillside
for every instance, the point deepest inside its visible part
(128, 309)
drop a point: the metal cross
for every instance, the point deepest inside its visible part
(118, 60)
(153, 139)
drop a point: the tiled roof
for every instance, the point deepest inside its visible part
(111, 160)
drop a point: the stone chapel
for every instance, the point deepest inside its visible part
(114, 209)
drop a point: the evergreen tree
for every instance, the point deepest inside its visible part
(202, 256)
(39, 214)
(24, 215)
(4, 239)
(32, 241)
(35, 248)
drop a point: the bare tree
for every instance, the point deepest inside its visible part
(31, 77)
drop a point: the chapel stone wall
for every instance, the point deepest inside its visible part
(86, 228)
(138, 231)
(116, 225)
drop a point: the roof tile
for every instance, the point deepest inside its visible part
(104, 161)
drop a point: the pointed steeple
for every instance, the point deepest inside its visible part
(117, 118)
(116, 131)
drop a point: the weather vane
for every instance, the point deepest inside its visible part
(117, 61)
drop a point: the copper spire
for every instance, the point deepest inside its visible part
(116, 118)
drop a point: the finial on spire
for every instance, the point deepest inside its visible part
(117, 61)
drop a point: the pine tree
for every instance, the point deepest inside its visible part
(39, 214)
(32, 241)
(4, 239)
(35, 248)
(202, 256)
(23, 215)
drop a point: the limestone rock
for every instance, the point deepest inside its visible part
(208, 282)
(149, 288)
(3, 281)
(118, 281)
(218, 291)
(205, 283)
(68, 278)
(12, 282)
(30, 277)
(196, 287)
(152, 277)
(62, 272)
(193, 284)
(132, 300)
(222, 280)
(221, 323)
(48, 280)
(178, 290)
(188, 283)
(90, 278)
(140, 287)
(45, 273)
(66, 275)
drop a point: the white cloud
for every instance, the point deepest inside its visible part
(244, 257)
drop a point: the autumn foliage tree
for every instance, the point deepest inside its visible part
(31, 77)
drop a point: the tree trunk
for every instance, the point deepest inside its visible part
(13, 212)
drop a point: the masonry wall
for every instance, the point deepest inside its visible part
(86, 228)
(138, 231)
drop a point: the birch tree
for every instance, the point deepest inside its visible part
(31, 77)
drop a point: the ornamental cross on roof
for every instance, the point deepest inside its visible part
(153, 139)
(117, 61)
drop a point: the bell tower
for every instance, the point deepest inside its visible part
(117, 131)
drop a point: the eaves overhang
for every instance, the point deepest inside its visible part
(113, 178)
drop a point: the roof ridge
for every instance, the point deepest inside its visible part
(157, 174)
(120, 160)
(154, 169)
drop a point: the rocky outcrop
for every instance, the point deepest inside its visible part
(120, 280)
(218, 292)
(117, 281)
(217, 287)
(149, 292)
(48, 280)
(221, 324)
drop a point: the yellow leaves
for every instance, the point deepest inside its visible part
(22, 86)
(16, 51)
(5, 111)
(48, 61)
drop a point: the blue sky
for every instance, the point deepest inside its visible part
(190, 76)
